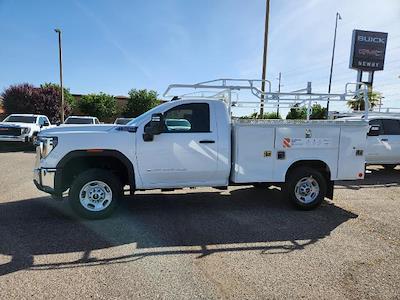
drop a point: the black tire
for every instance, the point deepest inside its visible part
(297, 175)
(389, 167)
(84, 178)
(31, 142)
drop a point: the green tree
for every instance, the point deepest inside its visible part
(139, 102)
(102, 106)
(358, 103)
(318, 112)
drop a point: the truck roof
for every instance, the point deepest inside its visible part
(28, 115)
(373, 117)
(82, 117)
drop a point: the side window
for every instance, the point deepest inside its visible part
(391, 127)
(194, 117)
(41, 121)
(47, 120)
(96, 121)
(377, 122)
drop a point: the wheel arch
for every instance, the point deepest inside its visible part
(77, 161)
(318, 165)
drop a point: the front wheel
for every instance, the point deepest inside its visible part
(306, 188)
(94, 194)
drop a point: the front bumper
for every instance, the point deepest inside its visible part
(11, 138)
(44, 179)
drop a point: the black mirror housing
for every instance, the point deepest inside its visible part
(155, 127)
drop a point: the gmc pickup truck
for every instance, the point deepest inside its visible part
(22, 127)
(94, 163)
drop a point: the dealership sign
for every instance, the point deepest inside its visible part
(368, 50)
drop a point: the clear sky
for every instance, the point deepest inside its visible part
(113, 46)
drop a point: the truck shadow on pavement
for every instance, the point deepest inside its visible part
(197, 223)
(16, 147)
(377, 178)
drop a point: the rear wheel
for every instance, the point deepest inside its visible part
(94, 194)
(306, 188)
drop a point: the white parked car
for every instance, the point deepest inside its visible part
(22, 127)
(383, 139)
(79, 120)
(204, 147)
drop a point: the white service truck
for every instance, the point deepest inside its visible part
(22, 128)
(94, 163)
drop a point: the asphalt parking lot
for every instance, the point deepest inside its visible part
(204, 243)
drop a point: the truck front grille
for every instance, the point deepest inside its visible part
(10, 131)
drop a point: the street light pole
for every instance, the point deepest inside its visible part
(338, 17)
(279, 90)
(264, 66)
(61, 73)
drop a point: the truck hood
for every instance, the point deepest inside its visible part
(64, 129)
(17, 125)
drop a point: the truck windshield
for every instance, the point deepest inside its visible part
(78, 121)
(139, 119)
(20, 119)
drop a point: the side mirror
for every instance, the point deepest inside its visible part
(374, 130)
(58, 123)
(155, 127)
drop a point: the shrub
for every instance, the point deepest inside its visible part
(318, 112)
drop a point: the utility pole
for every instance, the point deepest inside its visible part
(264, 66)
(61, 73)
(338, 17)
(279, 90)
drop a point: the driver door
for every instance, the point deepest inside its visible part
(185, 153)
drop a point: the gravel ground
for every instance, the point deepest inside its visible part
(241, 243)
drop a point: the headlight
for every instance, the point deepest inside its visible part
(25, 130)
(46, 145)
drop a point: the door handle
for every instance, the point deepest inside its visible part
(384, 140)
(207, 142)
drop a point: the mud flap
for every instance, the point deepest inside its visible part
(330, 188)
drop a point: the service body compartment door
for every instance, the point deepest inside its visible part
(306, 142)
(352, 150)
(253, 153)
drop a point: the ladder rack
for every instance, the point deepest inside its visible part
(223, 89)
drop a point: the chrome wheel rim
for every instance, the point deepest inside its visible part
(95, 195)
(306, 190)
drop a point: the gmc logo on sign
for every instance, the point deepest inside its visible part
(376, 53)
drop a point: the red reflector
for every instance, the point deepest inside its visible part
(94, 150)
(360, 175)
